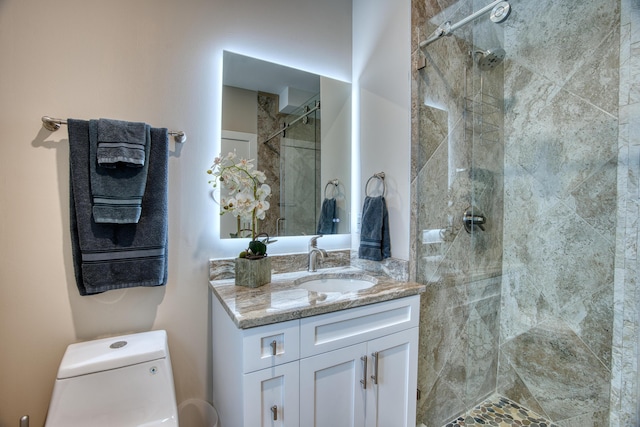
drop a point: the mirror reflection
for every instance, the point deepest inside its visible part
(297, 127)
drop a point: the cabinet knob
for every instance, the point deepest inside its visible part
(273, 345)
(274, 411)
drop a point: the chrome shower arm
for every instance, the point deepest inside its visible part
(448, 28)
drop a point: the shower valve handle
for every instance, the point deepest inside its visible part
(472, 219)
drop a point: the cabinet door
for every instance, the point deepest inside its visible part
(393, 370)
(271, 397)
(331, 394)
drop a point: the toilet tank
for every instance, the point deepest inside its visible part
(123, 381)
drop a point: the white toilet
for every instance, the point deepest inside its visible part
(123, 381)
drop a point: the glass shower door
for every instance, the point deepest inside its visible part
(300, 163)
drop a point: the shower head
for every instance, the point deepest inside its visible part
(489, 59)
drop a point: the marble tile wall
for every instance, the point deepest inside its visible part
(560, 187)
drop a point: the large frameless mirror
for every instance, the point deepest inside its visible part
(297, 127)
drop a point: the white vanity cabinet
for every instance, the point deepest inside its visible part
(358, 367)
(354, 367)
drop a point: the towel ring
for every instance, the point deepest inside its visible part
(380, 176)
(335, 183)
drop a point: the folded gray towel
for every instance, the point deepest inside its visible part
(115, 256)
(117, 192)
(375, 242)
(327, 221)
(121, 142)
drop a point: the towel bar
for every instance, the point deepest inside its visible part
(51, 124)
(380, 176)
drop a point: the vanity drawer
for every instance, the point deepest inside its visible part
(270, 345)
(327, 332)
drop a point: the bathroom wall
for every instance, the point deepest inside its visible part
(382, 85)
(335, 162)
(155, 61)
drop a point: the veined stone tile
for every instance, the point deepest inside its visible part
(511, 385)
(444, 318)
(478, 290)
(568, 260)
(482, 350)
(561, 157)
(523, 305)
(634, 124)
(625, 65)
(439, 405)
(433, 189)
(537, 32)
(595, 199)
(592, 321)
(597, 418)
(559, 371)
(634, 72)
(597, 80)
(434, 128)
(527, 95)
(525, 199)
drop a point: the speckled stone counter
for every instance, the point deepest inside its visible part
(283, 300)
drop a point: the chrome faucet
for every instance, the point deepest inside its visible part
(314, 250)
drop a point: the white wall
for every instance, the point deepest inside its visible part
(157, 61)
(335, 160)
(381, 76)
(240, 110)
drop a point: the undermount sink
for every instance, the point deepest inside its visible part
(341, 284)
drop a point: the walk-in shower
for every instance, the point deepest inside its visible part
(510, 121)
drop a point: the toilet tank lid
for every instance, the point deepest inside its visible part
(111, 353)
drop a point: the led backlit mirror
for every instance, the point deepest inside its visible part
(297, 126)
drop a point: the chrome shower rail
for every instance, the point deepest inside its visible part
(288, 125)
(500, 14)
(49, 123)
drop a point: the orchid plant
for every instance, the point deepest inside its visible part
(247, 194)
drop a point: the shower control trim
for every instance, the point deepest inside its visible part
(472, 219)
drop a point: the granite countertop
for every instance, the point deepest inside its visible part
(283, 300)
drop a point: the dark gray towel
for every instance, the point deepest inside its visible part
(115, 256)
(117, 192)
(375, 242)
(327, 221)
(121, 143)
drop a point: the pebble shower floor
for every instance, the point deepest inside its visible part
(501, 412)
